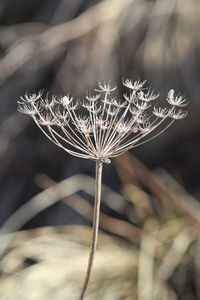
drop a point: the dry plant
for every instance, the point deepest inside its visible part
(107, 128)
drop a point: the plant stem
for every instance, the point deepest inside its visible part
(98, 181)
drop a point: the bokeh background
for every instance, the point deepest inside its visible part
(150, 222)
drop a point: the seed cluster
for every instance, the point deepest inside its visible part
(102, 126)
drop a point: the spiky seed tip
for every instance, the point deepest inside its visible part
(26, 108)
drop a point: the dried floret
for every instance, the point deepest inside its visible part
(31, 98)
(26, 108)
(105, 88)
(133, 85)
(93, 98)
(160, 112)
(177, 114)
(176, 101)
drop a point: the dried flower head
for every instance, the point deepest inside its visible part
(102, 126)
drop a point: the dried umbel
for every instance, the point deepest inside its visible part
(102, 126)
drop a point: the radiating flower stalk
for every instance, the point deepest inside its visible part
(101, 127)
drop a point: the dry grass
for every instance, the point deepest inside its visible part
(151, 259)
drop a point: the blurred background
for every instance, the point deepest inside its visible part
(150, 222)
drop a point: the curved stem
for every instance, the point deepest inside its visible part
(98, 180)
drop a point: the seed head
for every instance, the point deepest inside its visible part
(101, 126)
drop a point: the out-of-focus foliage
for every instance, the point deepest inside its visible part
(153, 252)
(67, 46)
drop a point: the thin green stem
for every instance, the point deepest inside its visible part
(98, 181)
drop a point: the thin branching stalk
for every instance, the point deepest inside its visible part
(98, 180)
